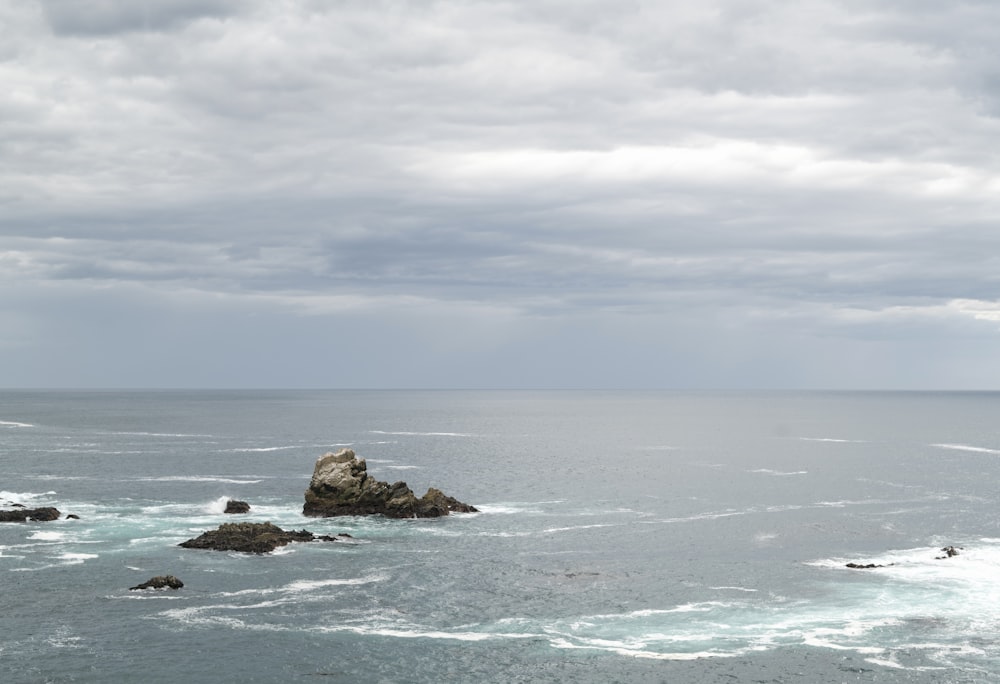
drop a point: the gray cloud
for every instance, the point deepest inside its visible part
(493, 193)
(109, 17)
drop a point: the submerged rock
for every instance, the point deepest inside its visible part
(159, 582)
(234, 506)
(340, 485)
(867, 566)
(21, 514)
(251, 538)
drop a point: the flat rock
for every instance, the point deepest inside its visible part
(251, 538)
(340, 485)
(159, 582)
(21, 514)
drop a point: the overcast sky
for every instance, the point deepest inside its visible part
(572, 193)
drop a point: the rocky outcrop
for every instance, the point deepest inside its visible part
(341, 485)
(234, 506)
(159, 582)
(949, 552)
(252, 538)
(22, 514)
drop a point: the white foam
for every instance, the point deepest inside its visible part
(967, 447)
(14, 424)
(310, 585)
(76, 558)
(506, 509)
(217, 506)
(48, 535)
(421, 633)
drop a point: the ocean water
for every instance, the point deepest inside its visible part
(623, 537)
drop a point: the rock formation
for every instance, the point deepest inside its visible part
(159, 582)
(340, 485)
(22, 514)
(234, 506)
(251, 538)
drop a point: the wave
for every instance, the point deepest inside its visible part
(160, 434)
(967, 447)
(553, 530)
(833, 440)
(21, 497)
(780, 473)
(310, 585)
(247, 450)
(195, 478)
(47, 535)
(14, 424)
(420, 434)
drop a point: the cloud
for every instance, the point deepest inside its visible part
(594, 187)
(109, 17)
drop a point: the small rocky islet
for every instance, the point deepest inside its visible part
(247, 537)
(340, 485)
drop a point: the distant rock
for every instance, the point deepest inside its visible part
(949, 551)
(159, 582)
(868, 566)
(251, 538)
(21, 514)
(340, 485)
(234, 506)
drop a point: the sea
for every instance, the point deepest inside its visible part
(622, 536)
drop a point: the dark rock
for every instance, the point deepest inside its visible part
(159, 582)
(340, 485)
(22, 514)
(247, 537)
(72, 516)
(233, 506)
(949, 551)
(859, 566)
(340, 537)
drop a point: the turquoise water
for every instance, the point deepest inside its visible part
(623, 536)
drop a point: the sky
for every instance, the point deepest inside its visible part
(500, 194)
